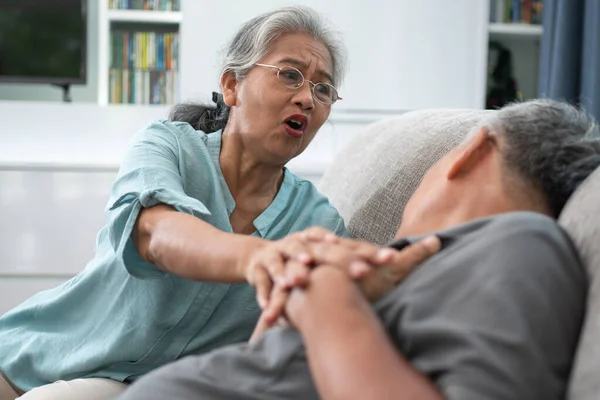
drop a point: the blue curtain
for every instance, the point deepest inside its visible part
(570, 53)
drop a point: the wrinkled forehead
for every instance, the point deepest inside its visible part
(304, 52)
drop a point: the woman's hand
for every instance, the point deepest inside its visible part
(265, 265)
(349, 256)
(287, 262)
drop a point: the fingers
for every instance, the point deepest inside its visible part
(271, 269)
(276, 306)
(352, 255)
(359, 269)
(296, 274)
(268, 267)
(318, 234)
(295, 247)
(274, 263)
(278, 298)
(260, 328)
(406, 260)
(261, 280)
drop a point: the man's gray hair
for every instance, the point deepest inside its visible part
(551, 144)
(251, 43)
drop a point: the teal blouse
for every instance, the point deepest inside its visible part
(122, 316)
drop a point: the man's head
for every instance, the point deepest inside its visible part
(527, 156)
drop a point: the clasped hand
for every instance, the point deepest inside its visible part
(282, 265)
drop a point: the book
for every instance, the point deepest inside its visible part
(143, 67)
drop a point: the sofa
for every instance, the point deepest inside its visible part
(373, 176)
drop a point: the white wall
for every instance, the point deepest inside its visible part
(79, 93)
(404, 54)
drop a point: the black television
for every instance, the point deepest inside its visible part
(43, 41)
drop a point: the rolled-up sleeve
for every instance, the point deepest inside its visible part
(149, 175)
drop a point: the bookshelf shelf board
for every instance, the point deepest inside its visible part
(521, 30)
(141, 16)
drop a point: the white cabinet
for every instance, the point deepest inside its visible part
(50, 217)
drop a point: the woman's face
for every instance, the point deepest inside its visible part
(262, 107)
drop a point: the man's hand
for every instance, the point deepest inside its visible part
(374, 280)
(383, 279)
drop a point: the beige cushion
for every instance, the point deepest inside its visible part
(581, 218)
(372, 178)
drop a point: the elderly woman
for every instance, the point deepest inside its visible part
(202, 206)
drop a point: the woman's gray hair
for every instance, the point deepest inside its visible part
(251, 43)
(550, 144)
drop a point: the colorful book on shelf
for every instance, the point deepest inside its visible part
(149, 5)
(143, 67)
(516, 11)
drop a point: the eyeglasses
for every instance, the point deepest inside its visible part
(292, 78)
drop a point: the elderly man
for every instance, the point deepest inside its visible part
(495, 314)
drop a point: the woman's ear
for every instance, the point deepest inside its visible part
(229, 87)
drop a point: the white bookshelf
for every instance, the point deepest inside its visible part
(107, 19)
(146, 17)
(525, 31)
(523, 41)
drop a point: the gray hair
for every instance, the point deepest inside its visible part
(251, 43)
(552, 145)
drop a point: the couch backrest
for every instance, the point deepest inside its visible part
(581, 218)
(374, 175)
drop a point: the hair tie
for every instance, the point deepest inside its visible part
(217, 98)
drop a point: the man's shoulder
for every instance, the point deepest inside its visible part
(525, 221)
(514, 226)
(501, 247)
(518, 245)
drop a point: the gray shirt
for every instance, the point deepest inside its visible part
(495, 314)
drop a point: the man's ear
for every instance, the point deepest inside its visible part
(229, 87)
(471, 153)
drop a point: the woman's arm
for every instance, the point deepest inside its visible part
(189, 247)
(349, 353)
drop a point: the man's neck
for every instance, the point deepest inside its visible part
(459, 212)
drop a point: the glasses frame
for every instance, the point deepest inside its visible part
(312, 84)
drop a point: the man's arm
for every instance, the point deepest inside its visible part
(348, 351)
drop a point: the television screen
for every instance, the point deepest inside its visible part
(43, 41)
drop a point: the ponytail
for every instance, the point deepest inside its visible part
(204, 117)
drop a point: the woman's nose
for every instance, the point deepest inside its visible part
(304, 97)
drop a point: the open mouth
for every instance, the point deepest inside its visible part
(297, 122)
(294, 124)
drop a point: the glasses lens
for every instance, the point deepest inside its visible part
(325, 93)
(291, 77)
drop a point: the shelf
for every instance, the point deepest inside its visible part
(150, 17)
(516, 30)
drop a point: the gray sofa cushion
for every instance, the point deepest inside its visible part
(373, 176)
(581, 218)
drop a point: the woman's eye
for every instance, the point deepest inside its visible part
(291, 76)
(324, 89)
